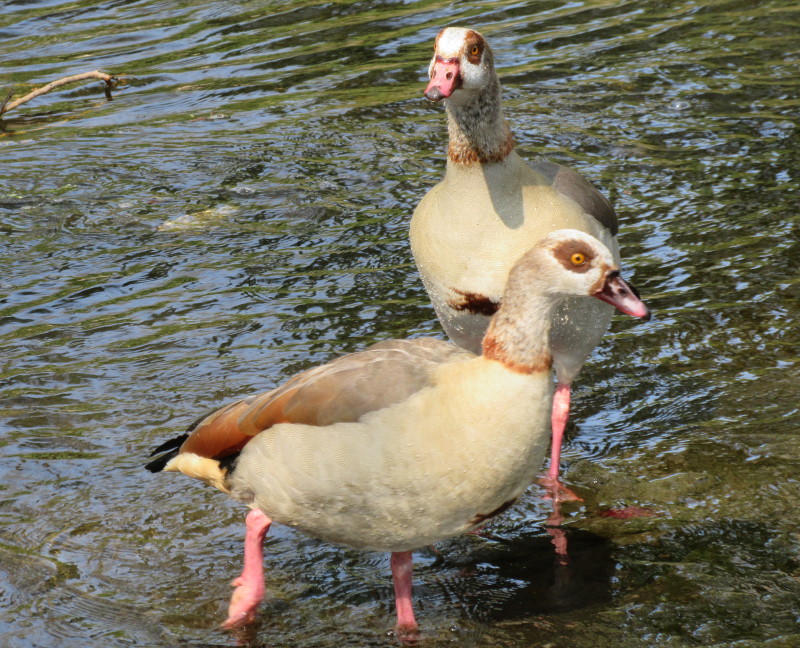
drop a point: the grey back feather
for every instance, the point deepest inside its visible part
(353, 385)
(574, 186)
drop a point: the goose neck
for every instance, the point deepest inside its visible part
(478, 130)
(519, 335)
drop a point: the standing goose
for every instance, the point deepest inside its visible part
(407, 442)
(492, 206)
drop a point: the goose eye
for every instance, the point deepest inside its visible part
(474, 50)
(578, 258)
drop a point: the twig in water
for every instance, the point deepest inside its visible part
(5, 101)
(96, 74)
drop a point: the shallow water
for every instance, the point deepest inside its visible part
(239, 212)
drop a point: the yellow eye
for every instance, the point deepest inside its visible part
(578, 259)
(475, 50)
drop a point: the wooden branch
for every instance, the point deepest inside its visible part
(96, 74)
(6, 100)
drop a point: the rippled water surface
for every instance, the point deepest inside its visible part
(239, 212)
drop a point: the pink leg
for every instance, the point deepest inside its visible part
(250, 584)
(401, 575)
(558, 423)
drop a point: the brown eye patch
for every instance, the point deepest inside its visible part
(574, 255)
(474, 46)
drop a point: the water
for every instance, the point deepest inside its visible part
(239, 212)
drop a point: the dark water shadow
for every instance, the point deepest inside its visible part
(517, 577)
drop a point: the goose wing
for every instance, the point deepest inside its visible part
(340, 391)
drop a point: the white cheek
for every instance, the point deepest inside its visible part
(472, 76)
(594, 278)
(472, 80)
(580, 282)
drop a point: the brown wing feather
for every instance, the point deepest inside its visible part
(342, 390)
(219, 434)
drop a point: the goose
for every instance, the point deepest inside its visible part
(469, 230)
(407, 442)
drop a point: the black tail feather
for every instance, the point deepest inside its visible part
(177, 442)
(174, 445)
(157, 465)
(228, 462)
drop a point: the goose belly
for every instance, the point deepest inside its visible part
(398, 480)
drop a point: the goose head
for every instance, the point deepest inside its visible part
(569, 262)
(462, 66)
(462, 74)
(565, 263)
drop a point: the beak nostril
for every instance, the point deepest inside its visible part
(448, 76)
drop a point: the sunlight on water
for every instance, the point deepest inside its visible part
(239, 212)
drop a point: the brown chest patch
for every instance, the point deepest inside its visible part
(465, 153)
(474, 303)
(494, 350)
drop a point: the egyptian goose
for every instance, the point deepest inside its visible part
(407, 442)
(492, 206)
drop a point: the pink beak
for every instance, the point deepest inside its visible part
(445, 79)
(617, 292)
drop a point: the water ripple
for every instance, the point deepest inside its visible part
(239, 212)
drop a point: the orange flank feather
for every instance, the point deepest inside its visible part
(219, 434)
(227, 431)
